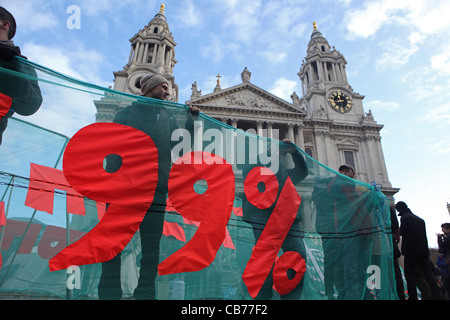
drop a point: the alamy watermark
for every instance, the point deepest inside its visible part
(374, 279)
(74, 20)
(73, 280)
(234, 146)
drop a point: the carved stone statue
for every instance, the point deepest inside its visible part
(246, 75)
(195, 92)
(295, 99)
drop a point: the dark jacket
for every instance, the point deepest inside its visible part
(25, 92)
(444, 245)
(413, 233)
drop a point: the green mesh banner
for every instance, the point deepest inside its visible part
(165, 204)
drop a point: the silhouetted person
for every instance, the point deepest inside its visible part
(415, 251)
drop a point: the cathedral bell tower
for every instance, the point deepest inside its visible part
(324, 82)
(336, 129)
(152, 50)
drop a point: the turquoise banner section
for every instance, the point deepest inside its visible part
(293, 228)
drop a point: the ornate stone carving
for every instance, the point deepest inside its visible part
(246, 75)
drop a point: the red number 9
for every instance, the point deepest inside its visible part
(129, 190)
(212, 209)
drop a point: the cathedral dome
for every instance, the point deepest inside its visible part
(158, 23)
(318, 41)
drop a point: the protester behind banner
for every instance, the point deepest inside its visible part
(208, 249)
(24, 91)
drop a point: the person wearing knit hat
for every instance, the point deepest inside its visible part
(347, 170)
(24, 91)
(157, 120)
(8, 23)
(155, 86)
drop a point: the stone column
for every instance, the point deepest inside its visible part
(319, 70)
(300, 140)
(259, 128)
(303, 85)
(136, 51)
(141, 52)
(163, 54)
(155, 53)
(131, 55)
(325, 71)
(144, 58)
(269, 130)
(291, 132)
(333, 66)
(344, 76)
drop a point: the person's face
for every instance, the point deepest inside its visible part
(348, 172)
(161, 91)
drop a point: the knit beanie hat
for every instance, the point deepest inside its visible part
(150, 81)
(6, 15)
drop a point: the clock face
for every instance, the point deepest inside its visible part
(340, 101)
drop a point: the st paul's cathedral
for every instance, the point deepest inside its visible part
(327, 121)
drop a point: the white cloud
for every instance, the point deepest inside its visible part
(242, 21)
(378, 105)
(268, 24)
(108, 9)
(441, 62)
(34, 16)
(365, 23)
(283, 88)
(191, 15)
(432, 17)
(273, 57)
(421, 16)
(414, 14)
(417, 19)
(427, 84)
(77, 62)
(396, 53)
(439, 116)
(440, 147)
(217, 49)
(66, 110)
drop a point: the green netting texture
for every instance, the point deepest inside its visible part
(340, 229)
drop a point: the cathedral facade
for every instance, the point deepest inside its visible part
(328, 121)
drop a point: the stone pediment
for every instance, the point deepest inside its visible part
(245, 96)
(347, 144)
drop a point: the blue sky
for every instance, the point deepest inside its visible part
(397, 51)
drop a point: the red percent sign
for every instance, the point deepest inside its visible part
(269, 243)
(130, 191)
